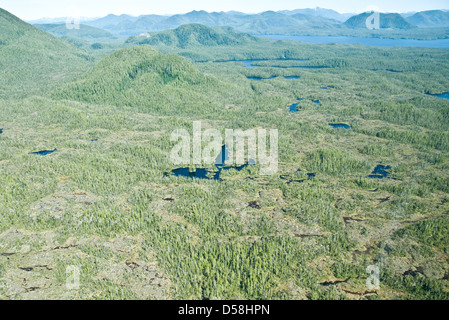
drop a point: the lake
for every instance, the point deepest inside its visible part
(206, 174)
(444, 95)
(440, 43)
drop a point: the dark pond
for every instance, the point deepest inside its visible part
(286, 77)
(294, 108)
(208, 174)
(340, 126)
(389, 70)
(1, 131)
(395, 71)
(199, 173)
(44, 152)
(444, 95)
(260, 79)
(380, 172)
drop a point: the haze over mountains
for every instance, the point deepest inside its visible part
(430, 19)
(300, 21)
(60, 30)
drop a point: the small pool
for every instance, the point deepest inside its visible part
(380, 172)
(444, 95)
(260, 79)
(294, 108)
(44, 152)
(340, 126)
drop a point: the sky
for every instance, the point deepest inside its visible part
(35, 9)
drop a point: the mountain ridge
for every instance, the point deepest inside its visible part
(29, 55)
(387, 21)
(195, 35)
(430, 19)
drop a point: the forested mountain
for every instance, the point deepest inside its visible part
(430, 19)
(60, 30)
(143, 77)
(195, 35)
(29, 56)
(387, 21)
(276, 23)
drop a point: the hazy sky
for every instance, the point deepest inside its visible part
(34, 9)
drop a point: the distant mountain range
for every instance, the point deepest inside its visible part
(320, 12)
(84, 31)
(269, 22)
(430, 19)
(316, 21)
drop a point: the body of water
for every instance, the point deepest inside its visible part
(293, 108)
(440, 43)
(444, 95)
(206, 174)
(44, 152)
(380, 172)
(340, 126)
(260, 79)
(270, 78)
